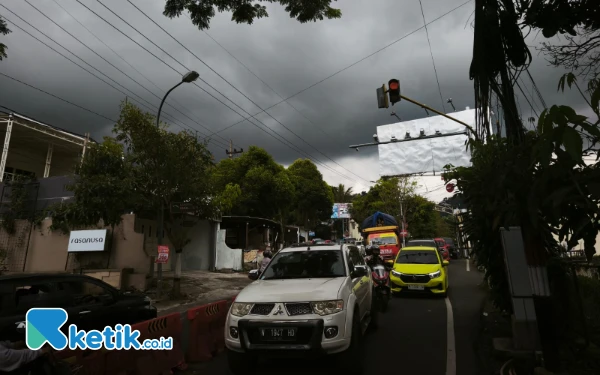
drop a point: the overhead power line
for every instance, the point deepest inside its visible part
(432, 59)
(58, 97)
(353, 64)
(238, 90)
(280, 139)
(108, 62)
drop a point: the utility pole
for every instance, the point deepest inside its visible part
(232, 151)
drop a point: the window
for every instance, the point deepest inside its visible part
(425, 243)
(357, 259)
(32, 295)
(418, 257)
(85, 292)
(305, 265)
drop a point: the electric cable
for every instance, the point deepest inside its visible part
(432, 59)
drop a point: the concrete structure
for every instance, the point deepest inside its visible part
(125, 262)
(33, 148)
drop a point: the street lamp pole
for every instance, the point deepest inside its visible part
(187, 78)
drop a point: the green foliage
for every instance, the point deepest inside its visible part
(422, 220)
(4, 30)
(258, 179)
(541, 185)
(103, 190)
(313, 198)
(341, 194)
(243, 11)
(16, 208)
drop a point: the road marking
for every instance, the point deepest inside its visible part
(468, 265)
(450, 344)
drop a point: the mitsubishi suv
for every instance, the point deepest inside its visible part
(310, 300)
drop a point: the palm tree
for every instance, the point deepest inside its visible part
(341, 194)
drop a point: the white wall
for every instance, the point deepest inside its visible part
(197, 253)
(227, 258)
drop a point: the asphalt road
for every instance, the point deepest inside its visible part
(417, 335)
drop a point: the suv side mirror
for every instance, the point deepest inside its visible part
(359, 271)
(20, 328)
(445, 263)
(253, 275)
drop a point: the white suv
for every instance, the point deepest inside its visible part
(311, 299)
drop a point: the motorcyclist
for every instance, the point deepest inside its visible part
(373, 258)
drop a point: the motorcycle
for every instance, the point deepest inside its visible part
(381, 281)
(380, 273)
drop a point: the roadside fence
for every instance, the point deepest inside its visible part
(198, 336)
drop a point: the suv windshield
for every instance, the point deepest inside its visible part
(305, 265)
(417, 257)
(383, 241)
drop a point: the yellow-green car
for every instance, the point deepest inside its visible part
(420, 269)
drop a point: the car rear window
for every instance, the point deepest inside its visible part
(305, 265)
(417, 257)
(422, 243)
(449, 241)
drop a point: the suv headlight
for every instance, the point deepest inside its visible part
(327, 307)
(241, 309)
(435, 274)
(396, 273)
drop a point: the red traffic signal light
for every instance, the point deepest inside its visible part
(394, 90)
(450, 188)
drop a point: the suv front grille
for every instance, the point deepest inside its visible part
(262, 308)
(420, 279)
(298, 308)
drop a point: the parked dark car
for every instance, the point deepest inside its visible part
(90, 303)
(454, 253)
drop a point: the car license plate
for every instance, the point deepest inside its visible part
(416, 287)
(386, 251)
(278, 334)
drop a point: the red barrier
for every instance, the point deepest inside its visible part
(92, 362)
(207, 324)
(150, 361)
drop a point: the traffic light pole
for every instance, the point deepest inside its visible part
(428, 108)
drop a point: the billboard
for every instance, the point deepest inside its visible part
(341, 211)
(425, 155)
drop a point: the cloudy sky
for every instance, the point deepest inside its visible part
(320, 122)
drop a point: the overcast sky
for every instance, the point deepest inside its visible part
(286, 55)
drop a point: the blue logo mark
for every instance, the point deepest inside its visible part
(43, 326)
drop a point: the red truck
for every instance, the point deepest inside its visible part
(382, 230)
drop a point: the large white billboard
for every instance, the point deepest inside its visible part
(424, 155)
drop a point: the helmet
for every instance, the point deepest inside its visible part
(375, 250)
(267, 254)
(368, 250)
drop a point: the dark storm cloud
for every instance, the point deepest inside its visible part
(287, 55)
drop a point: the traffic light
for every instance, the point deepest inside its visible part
(382, 99)
(394, 90)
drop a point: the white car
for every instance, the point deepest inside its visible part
(311, 299)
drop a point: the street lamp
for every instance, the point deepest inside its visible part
(187, 78)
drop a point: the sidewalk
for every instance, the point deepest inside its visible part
(198, 288)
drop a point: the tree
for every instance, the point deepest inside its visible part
(313, 198)
(579, 23)
(243, 11)
(4, 30)
(168, 168)
(260, 179)
(341, 194)
(103, 190)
